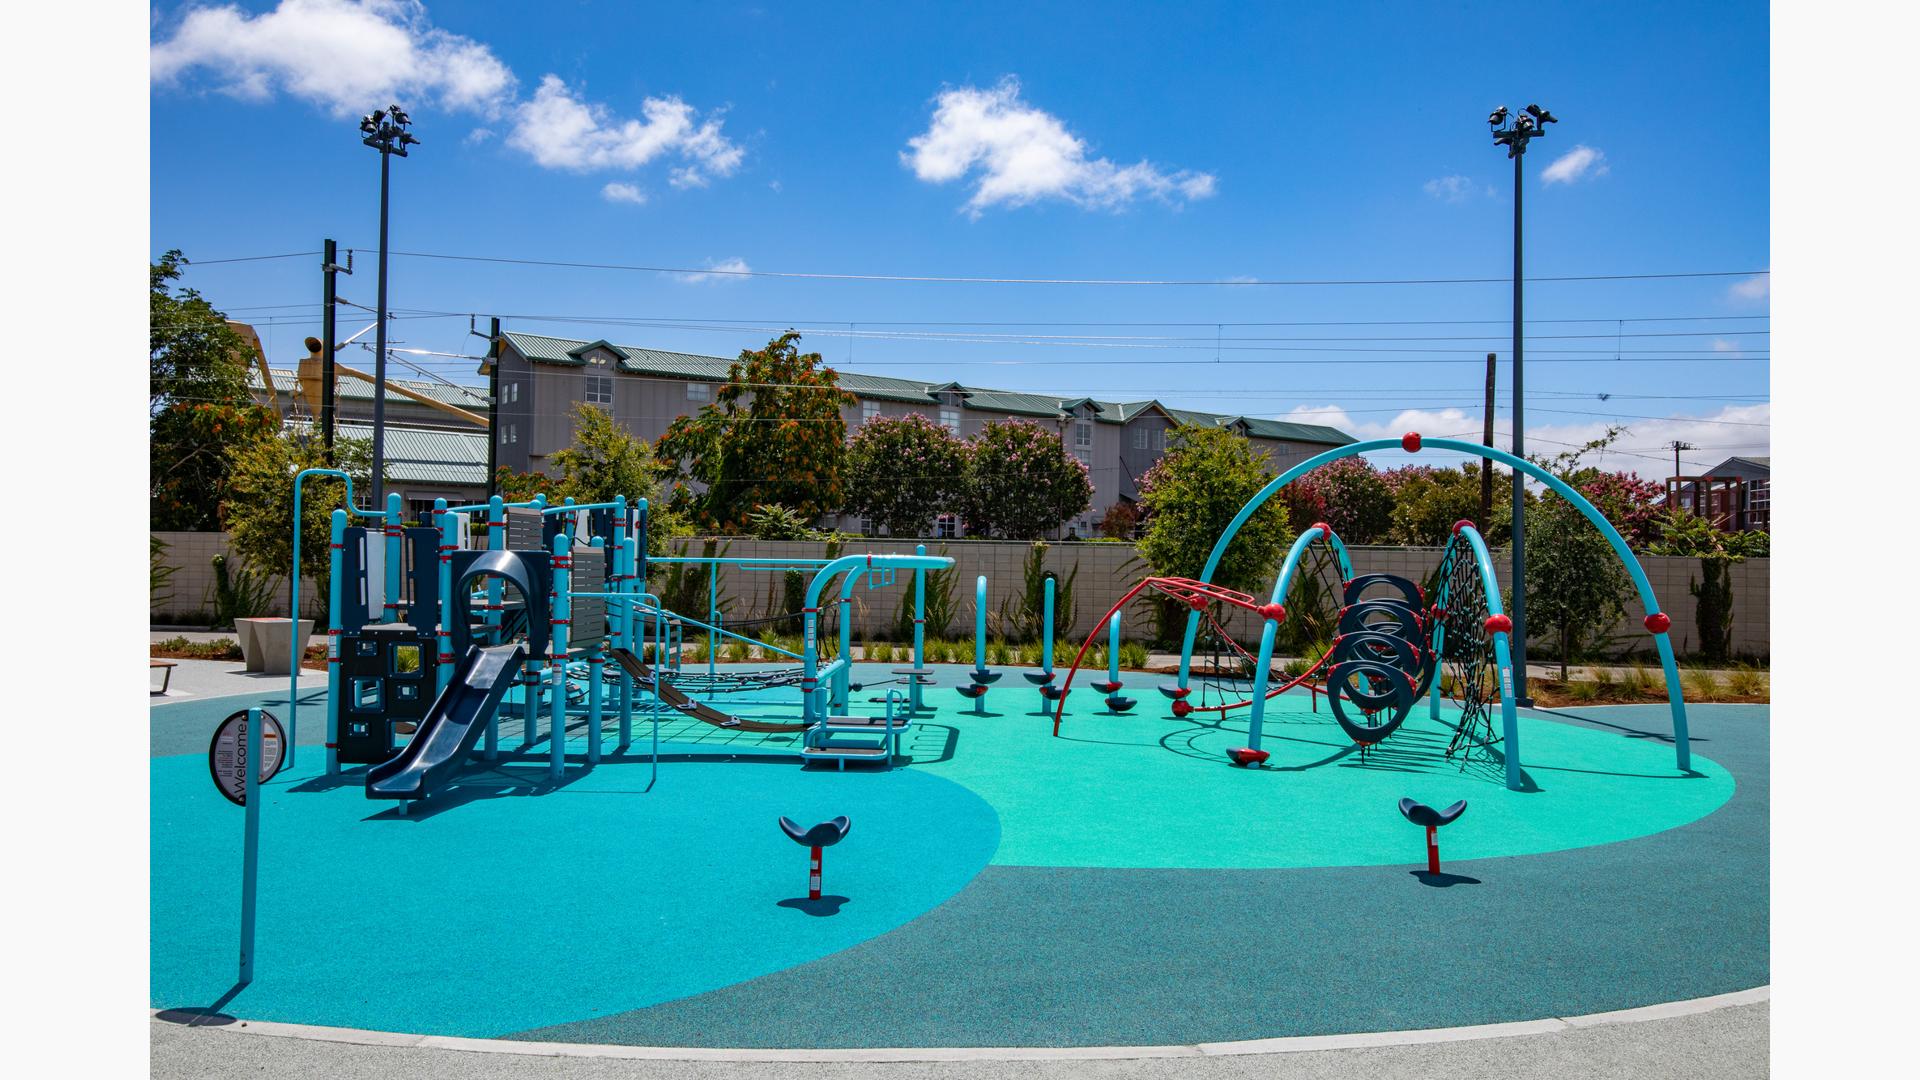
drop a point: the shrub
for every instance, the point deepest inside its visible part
(1747, 681)
(238, 592)
(1133, 654)
(998, 654)
(1701, 684)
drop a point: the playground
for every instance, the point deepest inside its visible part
(550, 826)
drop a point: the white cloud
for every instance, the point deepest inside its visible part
(625, 193)
(347, 56)
(1579, 163)
(1757, 287)
(561, 131)
(352, 56)
(1451, 189)
(1734, 430)
(723, 271)
(1022, 154)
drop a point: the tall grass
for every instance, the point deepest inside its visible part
(1133, 654)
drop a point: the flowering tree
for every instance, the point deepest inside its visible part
(1630, 503)
(772, 434)
(1021, 482)
(1428, 500)
(1346, 494)
(902, 472)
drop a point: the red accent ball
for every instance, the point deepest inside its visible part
(1410, 442)
(1499, 624)
(1274, 612)
(1657, 623)
(1181, 708)
(1461, 524)
(1197, 603)
(1323, 527)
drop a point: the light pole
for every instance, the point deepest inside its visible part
(386, 131)
(1514, 134)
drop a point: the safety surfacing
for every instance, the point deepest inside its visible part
(1119, 885)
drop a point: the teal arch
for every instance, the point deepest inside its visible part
(1683, 755)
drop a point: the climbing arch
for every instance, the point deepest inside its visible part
(1653, 618)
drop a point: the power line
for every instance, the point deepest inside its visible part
(956, 280)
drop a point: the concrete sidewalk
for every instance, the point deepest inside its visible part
(195, 679)
(1729, 1042)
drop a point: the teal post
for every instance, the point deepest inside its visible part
(562, 614)
(980, 623)
(337, 530)
(250, 843)
(627, 640)
(496, 541)
(1270, 628)
(1046, 630)
(449, 543)
(394, 530)
(1113, 649)
(1503, 659)
(919, 631)
(596, 667)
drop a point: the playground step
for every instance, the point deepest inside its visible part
(837, 750)
(861, 723)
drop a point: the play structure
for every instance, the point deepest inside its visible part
(1430, 819)
(981, 677)
(433, 640)
(816, 840)
(1390, 644)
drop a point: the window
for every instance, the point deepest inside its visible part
(597, 359)
(699, 391)
(950, 419)
(946, 527)
(1140, 438)
(866, 526)
(600, 389)
(1083, 435)
(513, 433)
(869, 411)
(513, 392)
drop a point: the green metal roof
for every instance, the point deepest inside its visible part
(552, 350)
(427, 456)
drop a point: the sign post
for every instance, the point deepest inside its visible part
(252, 737)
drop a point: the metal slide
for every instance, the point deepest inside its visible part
(670, 694)
(452, 726)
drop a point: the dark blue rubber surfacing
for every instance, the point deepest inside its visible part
(1055, 957)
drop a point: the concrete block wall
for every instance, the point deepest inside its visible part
(1107, 571)
(191, 587)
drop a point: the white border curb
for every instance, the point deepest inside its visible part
(1288, 1045)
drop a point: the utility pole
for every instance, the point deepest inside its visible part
(1486, 464)
(1515, 137)
(1674, 488)
(329, 267)
(386, 131)
(493, 408)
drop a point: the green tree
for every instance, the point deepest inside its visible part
(902, 472)
(1020, 481)
(1575, 583)
(606, 460)
(772, 434)
(1427, 501)
(259, 507)
(1190, 496)
(1347, 494)
(198, 404)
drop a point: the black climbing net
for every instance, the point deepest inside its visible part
(1472, 677)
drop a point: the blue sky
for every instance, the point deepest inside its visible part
(1019, 140)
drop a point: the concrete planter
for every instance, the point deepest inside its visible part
(264, 643)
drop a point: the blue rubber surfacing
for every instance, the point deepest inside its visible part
(597, 913)
(508, 909)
